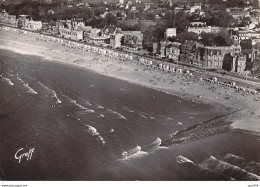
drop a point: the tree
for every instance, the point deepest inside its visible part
(208, 39)
(182, 37)
(181, 21)
(111, 19)
(223, 38)
(218, 18)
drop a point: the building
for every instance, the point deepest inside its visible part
(7, 19)
(95, 36)
(170, 32)
(116, 40)
(32, 25)
(240, 64)
(164, 48)
(87, 32)
(196, 7)
(213, 57)
(71, 34)
(133, 39)
(243, 34)
(237, 13)
(249, 52)
(234, 63)
(175, 51)
(11, 20)
(3, 16)
(199, 27)
(189, 52)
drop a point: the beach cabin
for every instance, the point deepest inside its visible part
(130, 57)
(179, 70)
(141, 60)
(214, 79)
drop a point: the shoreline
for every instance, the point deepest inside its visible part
(177, 84)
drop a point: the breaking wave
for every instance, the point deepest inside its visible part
(75, 103)
(30, 90)
(250, 166)
(54, 94)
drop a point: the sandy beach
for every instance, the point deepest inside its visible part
(190, 87)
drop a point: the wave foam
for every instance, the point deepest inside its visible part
(142, 115)
(128, 109)
(133, 153)
(181, 159)
(120, 116)
(76, 104)
(8, 81)
(99, 106)
(154, 146)
(93, 132)
(53, 93)
(20, 79)
(30, 90)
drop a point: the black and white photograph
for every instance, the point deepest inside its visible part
(130, 90)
